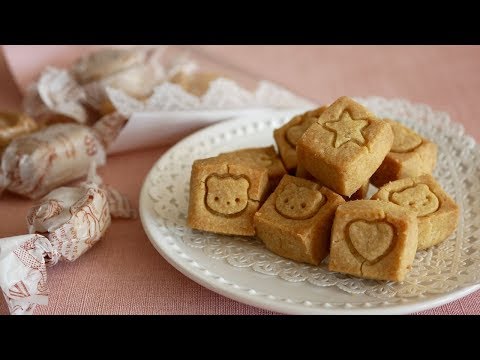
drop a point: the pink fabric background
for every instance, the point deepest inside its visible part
(124, 274)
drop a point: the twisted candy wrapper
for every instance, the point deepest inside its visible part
(56, 96)
(78, 93)
(34, 164)
(63, 225)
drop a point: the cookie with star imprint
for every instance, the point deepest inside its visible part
(345, 146)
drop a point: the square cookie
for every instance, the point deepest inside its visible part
(410, 156)
(345, 146)
(225, 196)
(437, 213)
(373, 240)
(296, 220)
(287, 136)
(360, 194)
(265, 157)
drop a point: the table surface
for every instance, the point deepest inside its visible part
(123, 274)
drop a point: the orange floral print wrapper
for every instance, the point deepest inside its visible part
(35, 164)
(63, 225)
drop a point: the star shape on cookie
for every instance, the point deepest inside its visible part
(347, 129)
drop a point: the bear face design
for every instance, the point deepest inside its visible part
(226, 195)
(298, 202)
(418, 198)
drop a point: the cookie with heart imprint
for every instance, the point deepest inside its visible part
(296, 219)
(411, 155)
(436, 211)
(287, 136)
(374, 240)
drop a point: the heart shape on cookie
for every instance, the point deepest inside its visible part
(372, 240)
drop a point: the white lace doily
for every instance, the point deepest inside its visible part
(452, 265)
(222, 94)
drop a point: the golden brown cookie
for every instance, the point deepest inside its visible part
(295, 220)
(265, 157)
(288, 135)
(373, 240)
(360, 194)
(224, 196)
(411, 155)
(345, 146)
(437, 213)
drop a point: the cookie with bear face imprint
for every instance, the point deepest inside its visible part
(225, 195)
(296, 219)
(298, 202)
(437, 213)
(418, 198)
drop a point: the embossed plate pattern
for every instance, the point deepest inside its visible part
(241, 268)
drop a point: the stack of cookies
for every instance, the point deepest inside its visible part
(309, 201)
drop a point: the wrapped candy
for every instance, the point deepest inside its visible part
(57, 98)
(35, 164)
(13, 125)
(133, 71)
(63, 225)
(105, 62)
(78, 94)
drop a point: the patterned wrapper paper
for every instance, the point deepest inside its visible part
(78, 94)
(63, 225)
(33, 165)
(55, 96)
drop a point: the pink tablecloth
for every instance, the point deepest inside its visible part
(123, 274)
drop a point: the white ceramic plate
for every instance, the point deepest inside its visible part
(242, 269)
